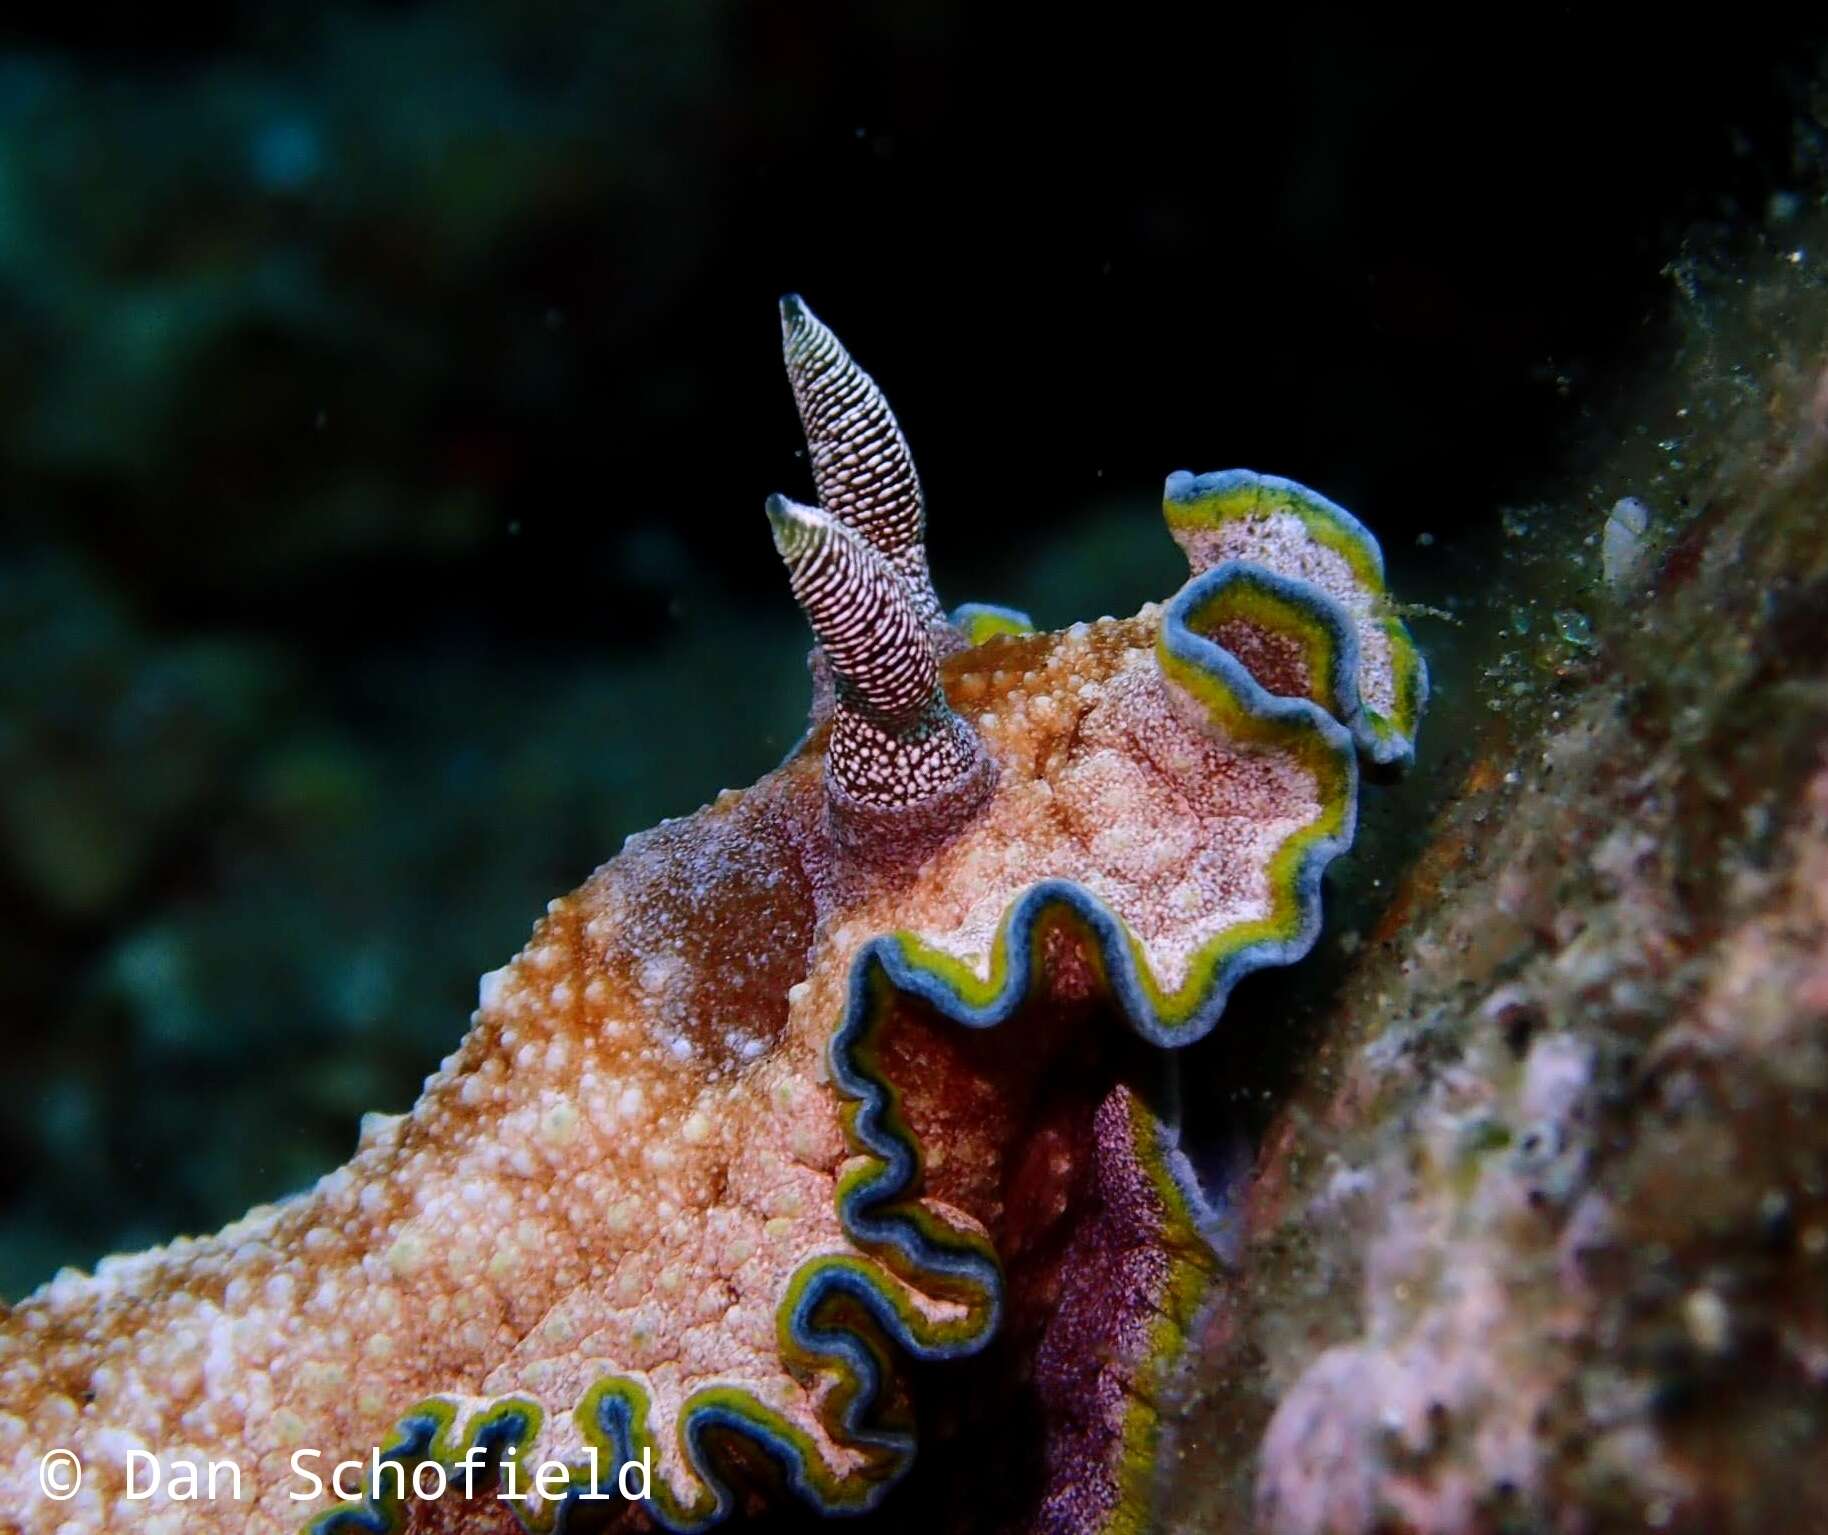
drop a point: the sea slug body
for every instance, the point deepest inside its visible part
(815, 1081)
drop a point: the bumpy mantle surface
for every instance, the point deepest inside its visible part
(809, 1082)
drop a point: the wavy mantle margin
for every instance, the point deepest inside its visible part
(843, 1313)
(1192, 504)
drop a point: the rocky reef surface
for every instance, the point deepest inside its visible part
(1538, 1238)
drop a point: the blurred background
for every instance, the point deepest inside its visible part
(388, 395)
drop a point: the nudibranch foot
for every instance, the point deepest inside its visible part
(1136, 1278)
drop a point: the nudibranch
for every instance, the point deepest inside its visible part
(801, 1094)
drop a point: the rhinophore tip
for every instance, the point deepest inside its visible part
(795, 527)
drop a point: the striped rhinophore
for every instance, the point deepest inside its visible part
(861, 466)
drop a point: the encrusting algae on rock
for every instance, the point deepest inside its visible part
(797, 1088)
